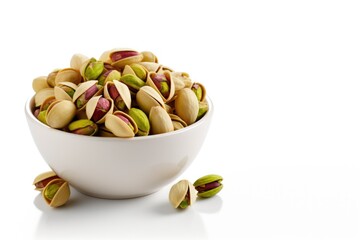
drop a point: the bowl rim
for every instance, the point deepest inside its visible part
(204, 119)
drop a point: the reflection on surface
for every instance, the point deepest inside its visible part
(150, 217)
(208, 205)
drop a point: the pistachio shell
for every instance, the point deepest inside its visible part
(61, 195)
(181, 79)
(128, 70)
(187, 105)
(150, 66)
(108, 76)
(51, 78)
(199, 90)
(147, 97)
(179, 191)
(60, 113)
(68, 75)
(91, 69)
(91, 108)
(141, 120)
(43, 179)
(125, 60)
(149, 57)
(40, 83)
(83, 87)
(170, 82)
(119, 127)
(77, 61)
(160, 120)
(60, 93)
(105, 56)
(43, 94)
(177, 122)
(122, 90)
(46, 103)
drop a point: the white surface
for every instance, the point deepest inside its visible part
(284, 79)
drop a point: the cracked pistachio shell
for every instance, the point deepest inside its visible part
(77, 61)
(91, 69)
(122, 57)
(83, 87)
(187, 105)
(60, 113)
(121, 124)
(177, 122)
(199, 90)
(141, 120)
(109, 76)
(61, 94)
(122, 91)
(181, 80)
(91, 108)
(43, 94)
(151, 66)
(149, 57)
(40, 83)
(164, 68)
(43, 179)
(209, 185)
(160, 121)
(170, 82)
(51, 78)
(178, 193)
(46, 103)
(147, 97)
(56, 193)
(68, 75)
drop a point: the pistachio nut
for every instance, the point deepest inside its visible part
(85, 92)
(162, 83)
(133, 82)
(51, 78)
(83, 127)
(199, 91)
(139, 70)
(203, 108)
(122, 57)
(40, 83)
(43, 94)
(109, 75)
(149, 57)
(56, 193)
(147, 97)
(181, 80)
(121, 124)
(151, 66)
(209, 185)
(182, 194)
(160, 120)
(41, 116)
(77, 61)
(104, 132)
(68, 75)
(60, 113)
(43, 179)
(187, 105)
(141, 120)
(91, 69)
(65, 90)
(177, 122)
(98, 107)
(119, 93)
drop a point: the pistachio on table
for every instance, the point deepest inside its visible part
(182, 194)
(123, 84)
(209, 185)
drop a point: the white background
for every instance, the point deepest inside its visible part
(284, 77)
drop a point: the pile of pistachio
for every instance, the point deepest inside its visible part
(124, 93)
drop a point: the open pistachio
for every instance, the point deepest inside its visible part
(182, 194)
(43, 94)
(203, 108)
(177, 122)
(83, 127)
(119, 93)
(122, 57)
(121, 124)
(51, 78)
(65, 90)
(187, 105)
(199, 91)
(77, 61)
(181, 80)
(141, 120)
(68, 75)
(91, 69)
(149, 57)
(40, 83)
(60, 113)
(98, 107)
(147, 97)
(163, 84)
(43, 179)
(56, 193)
(109, 75)
(85, 92)
(133, 82)
(151, 66)
(209, 185)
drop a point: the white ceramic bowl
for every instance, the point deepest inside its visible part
(110, 167)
